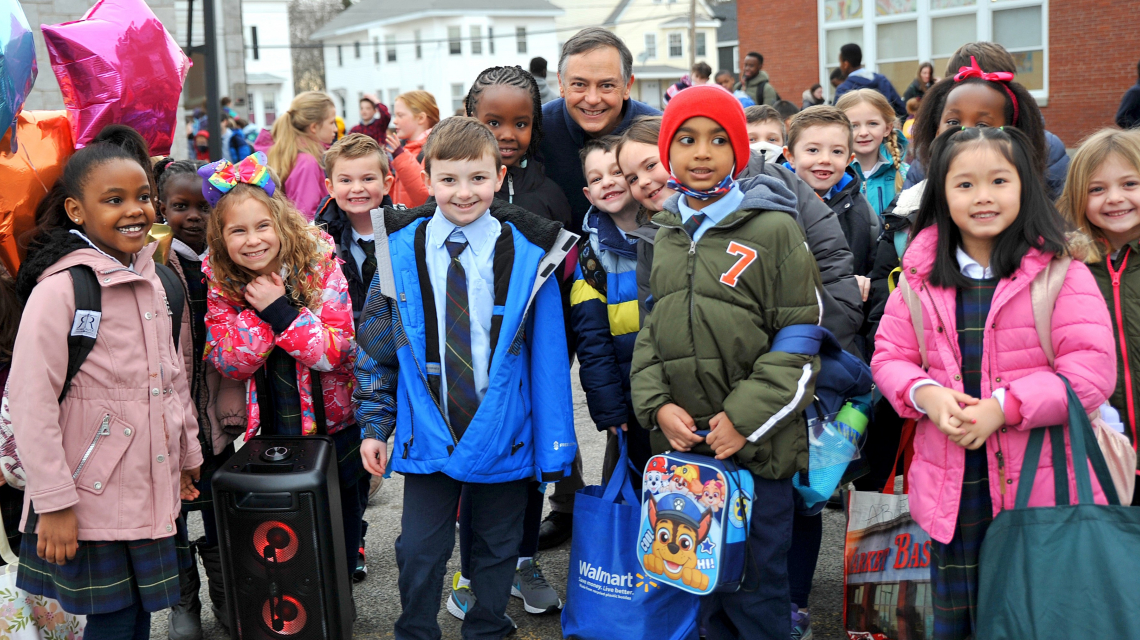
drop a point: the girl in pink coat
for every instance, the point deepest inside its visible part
(278, 316)
(984, 230)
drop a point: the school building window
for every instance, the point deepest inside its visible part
(454, 41)
(701, 44)
(675, 49)
(476, 40)
(898, 35)
(393, 93)
(419, 45)
(340, 55)
(376, 49)
(520, 39)
(457, 96)
(390, 47)
(356, 49)
(650, 46)
(491, 40)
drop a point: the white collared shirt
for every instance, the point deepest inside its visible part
(974, 270)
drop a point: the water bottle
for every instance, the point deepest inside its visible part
(853, 418)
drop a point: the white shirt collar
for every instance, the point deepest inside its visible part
(972, 268)
(356, 237)
(184, 250)
(480, 234)
(88, 241)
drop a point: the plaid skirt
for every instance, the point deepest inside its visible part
(109, 576)
(954, 566)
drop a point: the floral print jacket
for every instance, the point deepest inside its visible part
(320, 339)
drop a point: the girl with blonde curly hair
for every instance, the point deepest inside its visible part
(879, 145)
(279, 317)
(300, 137)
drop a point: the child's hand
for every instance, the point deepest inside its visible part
(264, 290)
(392, 143)
(864, 286)
(186, 489)
(678, 427)
(614, 430)
(944, 407)
(984, 418)
(374, 453)
(58, 536)
(723, 437)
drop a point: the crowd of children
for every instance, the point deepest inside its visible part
(419, 295)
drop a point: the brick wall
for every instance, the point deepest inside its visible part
(786, 33)
(1094, 46)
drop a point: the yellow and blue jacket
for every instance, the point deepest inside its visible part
(604, 314)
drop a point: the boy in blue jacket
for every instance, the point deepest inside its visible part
(462, 364)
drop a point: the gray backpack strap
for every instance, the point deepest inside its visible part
(915, 308)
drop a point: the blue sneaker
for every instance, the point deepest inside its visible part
(462, 598)
(801, 624)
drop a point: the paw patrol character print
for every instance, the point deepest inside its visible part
(687, 479)
(654, 480)
(712, 496)
(679, 527)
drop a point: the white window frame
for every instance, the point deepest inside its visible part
(476, 31)
(419, 45)
(650, 41)
(924, 15)
(521, 46)
(702, 44)
(454, 40)
(680, 44)
(457, 101)
(390, 53)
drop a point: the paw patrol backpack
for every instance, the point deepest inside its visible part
(695, 512)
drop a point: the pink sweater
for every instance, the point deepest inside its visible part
(305, 185)
(1012, 359)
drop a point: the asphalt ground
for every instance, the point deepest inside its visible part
(378, 599)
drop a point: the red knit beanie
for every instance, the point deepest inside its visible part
(712, 102)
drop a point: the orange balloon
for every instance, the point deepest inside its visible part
(45, 144)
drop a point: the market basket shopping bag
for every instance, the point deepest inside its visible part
(608, 595)
(1067, 571)
(886, 562)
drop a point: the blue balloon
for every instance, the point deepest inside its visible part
(17, 64)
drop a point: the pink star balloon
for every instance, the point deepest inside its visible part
(118, 65)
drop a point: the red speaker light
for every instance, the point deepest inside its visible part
(290, 616)
(275, 540)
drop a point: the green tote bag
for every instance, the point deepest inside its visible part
(1068, 571)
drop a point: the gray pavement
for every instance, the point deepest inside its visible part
(378, 600)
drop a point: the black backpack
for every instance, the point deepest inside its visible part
(89, 308)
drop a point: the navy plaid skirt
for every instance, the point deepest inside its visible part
(109, 576)
(954, 566)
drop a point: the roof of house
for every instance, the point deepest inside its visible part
(683, 21)
(616, 13)
(367, 13)
(727, 31)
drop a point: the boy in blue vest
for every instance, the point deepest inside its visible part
(462, 365)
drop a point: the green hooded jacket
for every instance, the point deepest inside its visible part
(719, 303)
(1123, 301)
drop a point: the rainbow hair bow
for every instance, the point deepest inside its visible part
(222, 176)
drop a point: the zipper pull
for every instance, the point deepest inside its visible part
(692, 247)
(510, 188)
(405, 451)
(105, 428)
(1001, 472)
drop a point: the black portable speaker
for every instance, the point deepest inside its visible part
(283, 559)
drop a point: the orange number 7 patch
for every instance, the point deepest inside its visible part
(747, 257)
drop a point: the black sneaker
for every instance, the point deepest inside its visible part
(556, 528)
(361, 570)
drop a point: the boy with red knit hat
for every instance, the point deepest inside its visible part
(730, 269)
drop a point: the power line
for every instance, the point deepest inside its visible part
(496, 36)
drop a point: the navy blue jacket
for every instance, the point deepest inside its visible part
(864, 78)
(1128, 115)
(562, 140)
(524, 427)
(339, 228)
(604, 313)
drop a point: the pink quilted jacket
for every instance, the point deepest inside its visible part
(239, 343)
(1012, 359)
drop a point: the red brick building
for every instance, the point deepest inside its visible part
(1077, 57)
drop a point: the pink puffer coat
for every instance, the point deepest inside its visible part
(1012, 359)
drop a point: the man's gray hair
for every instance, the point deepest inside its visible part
(592, 38)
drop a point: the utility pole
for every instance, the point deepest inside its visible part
(692, 33)
(213, 98)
